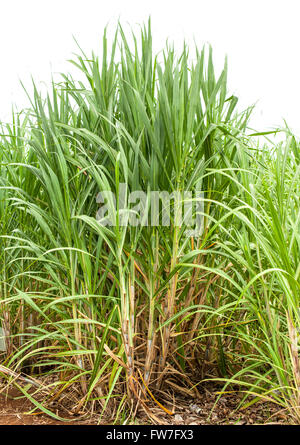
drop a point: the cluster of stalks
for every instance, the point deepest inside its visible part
(128, 312)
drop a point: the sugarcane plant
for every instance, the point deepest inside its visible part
(121, 296)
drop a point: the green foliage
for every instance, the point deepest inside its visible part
(113, 309)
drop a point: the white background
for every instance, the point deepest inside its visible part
(260, 37)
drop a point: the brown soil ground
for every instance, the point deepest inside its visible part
(14, 410)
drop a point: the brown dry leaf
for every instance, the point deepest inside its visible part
(115, 357)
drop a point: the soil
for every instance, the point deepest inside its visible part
(15, 410)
